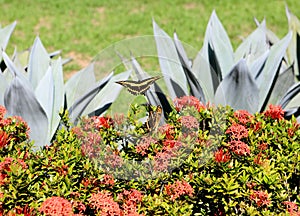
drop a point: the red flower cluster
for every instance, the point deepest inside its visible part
(261, 198)
(144, 144)
(171, 145)
(237, 131)
(274, 112)
(221, 156)
(168, 130)
(5, 167)
(240, 148)
(56, 206)
(189, 122)
(104, 204)
(130, 200)
(112, 159)
(243, 116)
(186, 101)
(102, 122)
(292, 208)
(108, 180)
(4, 139)
(162, 160)
(178, 189)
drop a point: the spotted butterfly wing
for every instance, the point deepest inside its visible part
(138, 87)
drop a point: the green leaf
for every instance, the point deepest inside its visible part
(39, 61)
(169, 63)
(238, 89)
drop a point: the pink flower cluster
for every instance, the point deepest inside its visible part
(274, 112)
(104, 204)
(143, 146)
(179, 188)
(292, 208)
(261, 198)
(188, 101)
(130, 200)
(56, 206)
(243, 116)
(189, 122)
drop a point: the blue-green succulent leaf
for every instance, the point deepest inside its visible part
(238, 89)
(20, 100)
(169, 63)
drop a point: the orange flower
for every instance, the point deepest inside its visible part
(274, 112)
(261, 198)
(55, 206)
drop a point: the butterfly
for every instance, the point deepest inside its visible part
(153, 118)
(138, 87)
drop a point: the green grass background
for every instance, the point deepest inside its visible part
(84, 28)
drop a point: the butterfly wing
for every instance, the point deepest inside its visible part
(138, 87)
(154, 118)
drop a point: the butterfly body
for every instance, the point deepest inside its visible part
(138, 87)
(154, 117)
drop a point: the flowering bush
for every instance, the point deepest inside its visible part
(203, 161)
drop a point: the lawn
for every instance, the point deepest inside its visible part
(83, 28)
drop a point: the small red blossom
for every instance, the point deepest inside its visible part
(162, 160)
(263, 146)
(243, 116)
(102, 122)
(238, 147)
(258, 159)
(171, 145)
(237, 131)
(257, 126)
(221, 157)
(4, 139)
(108, 180)
(274, 112)
(178, 189)
(168, 130)
(104, 204)
(90, 144)
(292, 208)
(261, 198)
(190, 122)
(188, 101)
(251, 185)
(55, 206)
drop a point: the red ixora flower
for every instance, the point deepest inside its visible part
(144, 144)
(237, 131)
(130, 199)
(238, 147)
(55, 206)
(168, 131)
(274, 112)
(261, 198)
(104, 204)
(185, 101)
(178, 189)
(102, 122)
(221, 156)
(292, 208)
(243, 116)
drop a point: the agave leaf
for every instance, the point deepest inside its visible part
(254, 45)
(58, 102)
(195, 87)
(295, 111)
(79, 84)
(107, 95)
(20, 100)
(266, 80)
(206, 76)
(79, 106)
(169, 62)
(238, 89)
(14, 70)
(257, 66)
(284, 81)
(219, 41)
(291, 94)
(39, 61)
(3, 86)
(5, 34)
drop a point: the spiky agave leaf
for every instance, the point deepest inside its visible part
(238, 89)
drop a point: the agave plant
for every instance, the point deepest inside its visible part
(255, 75)
(36, 91)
